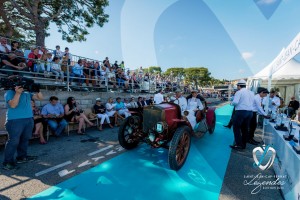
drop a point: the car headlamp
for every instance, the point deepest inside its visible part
(160, 127)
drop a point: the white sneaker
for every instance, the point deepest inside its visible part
(56, 82)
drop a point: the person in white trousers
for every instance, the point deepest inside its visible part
(100, 111)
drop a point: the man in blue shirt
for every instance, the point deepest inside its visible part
(19, 125)
(121, 108)
(53, 112)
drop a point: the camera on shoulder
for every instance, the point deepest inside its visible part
(11, 82)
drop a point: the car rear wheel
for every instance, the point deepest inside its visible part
(179, 147)
(128, 132)
(211, 128)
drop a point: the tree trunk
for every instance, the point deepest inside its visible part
(40, 37)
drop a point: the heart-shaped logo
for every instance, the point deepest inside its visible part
(263, 151)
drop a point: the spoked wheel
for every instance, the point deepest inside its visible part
(211, 128)
(179, 147)
(127, 136)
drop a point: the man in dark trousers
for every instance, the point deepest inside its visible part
(257, 109)
(293, 106)
(243, 105)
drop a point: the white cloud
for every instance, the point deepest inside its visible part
(247, 55)
(266, 2)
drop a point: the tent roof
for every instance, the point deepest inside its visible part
(291, 70)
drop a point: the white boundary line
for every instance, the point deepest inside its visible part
(100, 150)
(53, 168)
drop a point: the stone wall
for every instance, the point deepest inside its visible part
(86, 100)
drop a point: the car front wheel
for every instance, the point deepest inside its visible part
(179, 147)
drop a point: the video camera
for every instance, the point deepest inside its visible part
(11, 82)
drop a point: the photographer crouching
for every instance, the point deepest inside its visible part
(19, 120)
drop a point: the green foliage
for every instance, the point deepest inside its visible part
(175, 71)
(154, 70)
(72, 17)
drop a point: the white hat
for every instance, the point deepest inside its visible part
(98, 99)
(241, 82)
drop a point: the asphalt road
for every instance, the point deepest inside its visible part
(62, 158)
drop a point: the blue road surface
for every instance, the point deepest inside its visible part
(144, 173)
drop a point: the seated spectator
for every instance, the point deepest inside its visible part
(10, 62)
(38, 123)
(150, 101)
(78, 71)
(292, 107)
(140, 103)
(15, 48)
(100, 111)
(4, 47)
(111, 111)
(53, 112)
(73, 113)
(56, 70)
(121, 108)
(116, 66)
(133, 104)
(126, 103)
(33, 58)
(112, 77)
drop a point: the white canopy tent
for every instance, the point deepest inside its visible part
(283, 69)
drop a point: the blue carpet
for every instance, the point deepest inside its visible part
(144, 173)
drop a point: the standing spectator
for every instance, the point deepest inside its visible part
(100, 111)
(106, 63)
(78, 71)
(122, 65)
(4, 47)
(95, 73)
(33, 60)
(87, 73)
(243, 105)
(56, 69)
(19, 125)
(68, 55)
(116, 66)
(141, 72)
(158, 98)
(38, 122)
(257, 109)
(73, 113)
(293, 106)
(53, 112)
(57, 52)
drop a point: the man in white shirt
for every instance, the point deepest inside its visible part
(257, 109)
(158, 98)
(180, 100)
(4, 47)
(243, 103)
(274, 102)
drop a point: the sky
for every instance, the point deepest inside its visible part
(233, 38)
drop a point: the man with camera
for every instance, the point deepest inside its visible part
(53, 112)
(19, 125)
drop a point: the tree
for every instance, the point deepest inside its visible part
(154, 70)
(197, 75)
(72, 17)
